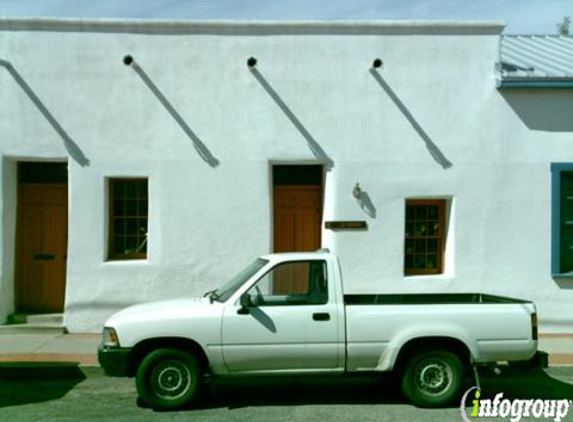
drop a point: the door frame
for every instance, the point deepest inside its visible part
(271, 165)
(17, 221)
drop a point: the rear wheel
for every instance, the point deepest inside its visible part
(168, 379)
(433, 378)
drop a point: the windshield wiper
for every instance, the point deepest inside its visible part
(212, 295)
(209, 292)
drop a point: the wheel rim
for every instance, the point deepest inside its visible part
(171, 379)
(433, 376)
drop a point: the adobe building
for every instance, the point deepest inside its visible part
(144, 160)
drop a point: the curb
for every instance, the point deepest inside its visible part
(70, 358)
(85, 359)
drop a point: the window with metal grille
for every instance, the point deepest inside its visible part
(424, 236)
(128, 218)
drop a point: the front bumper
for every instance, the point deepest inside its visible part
(114, 360)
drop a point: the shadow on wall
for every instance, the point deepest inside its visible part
(314, 146)
(366, 204)
(547, 110)
(432, 148)
(200, 147)
(73, 149)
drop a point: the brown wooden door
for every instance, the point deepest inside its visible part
(297, 218)
(42, 237)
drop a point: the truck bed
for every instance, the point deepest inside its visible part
(427, 299)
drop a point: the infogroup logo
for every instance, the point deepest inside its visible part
(515, 409)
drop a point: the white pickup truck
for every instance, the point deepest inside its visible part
(287, 314)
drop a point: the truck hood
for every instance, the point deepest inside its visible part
(160, 310)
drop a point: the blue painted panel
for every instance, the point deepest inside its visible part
(556, 170)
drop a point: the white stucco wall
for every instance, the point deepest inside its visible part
(206, 222)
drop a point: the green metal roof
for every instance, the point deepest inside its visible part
(536, 61)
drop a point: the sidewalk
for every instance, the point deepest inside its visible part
(69, 348)
(82, 348)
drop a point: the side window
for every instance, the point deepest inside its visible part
(128, 203)
(562, 220)
(292, 283)
(424, 237)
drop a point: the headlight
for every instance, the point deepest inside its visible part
(109, 337)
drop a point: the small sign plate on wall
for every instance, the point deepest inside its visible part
(346, 225)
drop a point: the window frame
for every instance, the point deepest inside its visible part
(295, 303)
(111, 255)
(441, 250)
(557, 170)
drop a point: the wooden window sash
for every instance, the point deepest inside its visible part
(111, 218)
(441, 203)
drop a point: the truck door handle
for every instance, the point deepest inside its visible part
(321, 316)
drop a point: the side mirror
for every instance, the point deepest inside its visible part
(246, 303)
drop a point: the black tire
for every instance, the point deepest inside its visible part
(168, 379)
(433, 378)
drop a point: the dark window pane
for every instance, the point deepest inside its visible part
(142, 189)
(432, 245)
(566, 255)
(421, 212)
(142, 207)
(409, 246)
(128, 225)
(131, 189)
(433, 228)
(118, 208)
(119, 244)
(421, 229)
(409, 262)
(419, 261)
(34, 172)
(131, 226)
(297, 175)
(409, 212)
(141, 226)
(130, 244)
(119, 226)
(119, 189)
(432, 261)
(409, 229)
(142, 244)
(131, 208)
(433, 212)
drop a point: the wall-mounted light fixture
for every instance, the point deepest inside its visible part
(377, 63)
(127, 60)
(357, 190)
(251, 62)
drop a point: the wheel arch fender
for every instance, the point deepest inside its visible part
(418, 344)
(144, 347)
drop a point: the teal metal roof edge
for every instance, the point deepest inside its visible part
(537, 84)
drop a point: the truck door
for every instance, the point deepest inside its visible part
(291, 324)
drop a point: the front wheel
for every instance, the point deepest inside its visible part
(168, 379)
(433, 378)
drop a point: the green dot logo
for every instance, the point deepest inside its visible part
(473, 410)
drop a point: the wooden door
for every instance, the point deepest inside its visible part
(297, 218)
(42, 237)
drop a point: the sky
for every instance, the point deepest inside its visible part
(521, 16)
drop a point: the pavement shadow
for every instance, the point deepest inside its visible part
(273, 391)
(23, 383)
(536, 383)
(299, 391)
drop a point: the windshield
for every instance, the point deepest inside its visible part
(225, 292)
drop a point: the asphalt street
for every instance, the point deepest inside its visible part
(62, 393)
